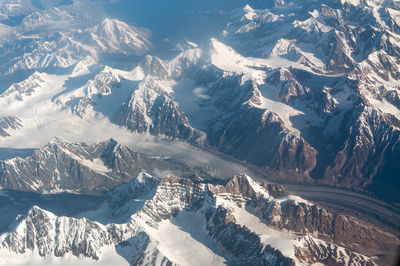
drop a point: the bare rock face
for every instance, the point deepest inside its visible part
(338, 228)
(370, 143)
(289, 88)
(241, 242)
(276, 191)
(282, 211)
(393, 96)
(308, 218)
(314, 250)
(238, 185)
(245, 138)
(150, 109)
(253, 134)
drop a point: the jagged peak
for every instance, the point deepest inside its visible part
(141, 179)
(276, 190)
(154, 66)
(36, 210)
(106, 75)
(108, 69)
(285, 74)
(184, 60)
(27, 85)
(139, 185)
(58, 140)
(283, 47)
(110, 26)
(239, 185)
(196, 178)
(114, 36)
(165, 206)
(253, 18)
(111, 147)
(312, 24)
(112, 141)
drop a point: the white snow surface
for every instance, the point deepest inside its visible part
(109, 257)
(179, 237)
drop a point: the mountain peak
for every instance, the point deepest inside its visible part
(250, 228)
(35, 211)
(111, 28)
(115, 36)
(58, 140)
(110, 22)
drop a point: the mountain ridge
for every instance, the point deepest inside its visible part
(223, 207)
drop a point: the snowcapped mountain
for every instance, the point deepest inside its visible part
(316, 101)
(290, 91)
(113, 36)
(237, 222)
(316, 59)
(62, 166)
(64, 49)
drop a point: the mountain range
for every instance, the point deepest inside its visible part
(292, 92)
(237, 222)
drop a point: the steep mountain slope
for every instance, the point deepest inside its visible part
(61, 50)
(61, 166)
(304, 92)
(234, 223)
(7, 124)
(334, 73)
(316, 101)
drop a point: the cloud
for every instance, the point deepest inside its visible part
(199, 93)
